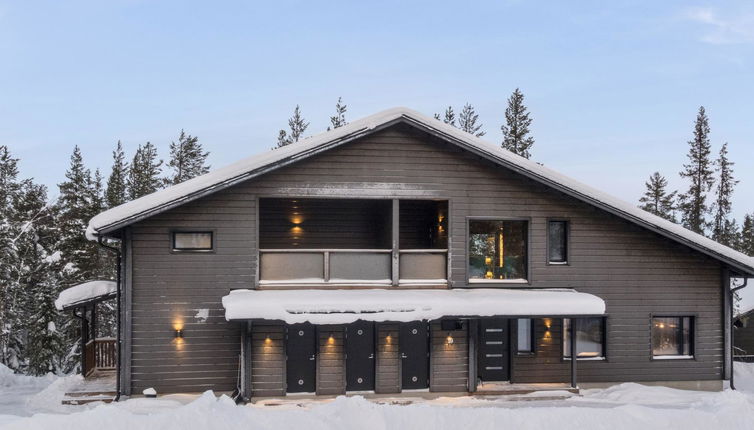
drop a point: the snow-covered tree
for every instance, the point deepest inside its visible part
(467, 121)
(117, 191)
(699, 172)
(339, 119)
(516, 128)
(746, 238)
(187, 159)
(449, 117)
(144, 175)
(657, 199)
(10, 350)
(723, 228)
(297, 126)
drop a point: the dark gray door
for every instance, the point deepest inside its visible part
(493, 349)
(360, 356)
(301, 364)
(414, 347)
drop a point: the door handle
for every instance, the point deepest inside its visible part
(371, 356)
(312, 358)
(403, 355)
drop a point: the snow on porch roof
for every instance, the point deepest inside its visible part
(160, 201)
(346, 306)
(85, 293)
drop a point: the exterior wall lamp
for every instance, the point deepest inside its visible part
(179, 333)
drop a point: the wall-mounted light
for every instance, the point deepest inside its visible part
(388, 338)
(449, 340)
(331, 339)
(267, 340)
(179, 333)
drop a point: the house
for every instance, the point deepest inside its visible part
(743, 327)
(398, 254)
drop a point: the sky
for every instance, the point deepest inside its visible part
(613, 87)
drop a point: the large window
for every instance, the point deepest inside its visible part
(497, 250)
(525, 336)
(590, 338)
(672, 337)
(193, 241)
(557, 242)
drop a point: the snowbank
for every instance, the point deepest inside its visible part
(83, 292)
(345, 306)
(664, 409)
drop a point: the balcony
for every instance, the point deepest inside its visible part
(352, 243)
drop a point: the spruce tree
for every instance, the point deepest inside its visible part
(656, 199)
(467, 121)
(297, 126)
(144, 175)
(699, 172)
(339, 119)
(722, 225)
(746, 241)
(449, 117)
(516, 128)
(187, 159)
(116, 193)
(10, 350)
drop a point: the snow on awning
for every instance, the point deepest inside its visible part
(346, 306)
(84, 293)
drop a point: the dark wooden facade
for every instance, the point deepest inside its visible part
(638, 273)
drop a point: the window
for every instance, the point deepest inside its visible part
(590, 338)
(497, 250)
(672, 337)
(193, 241)
(525, 336)
(557, 242)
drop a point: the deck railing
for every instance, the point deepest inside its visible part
(100, 354)
(352, 267)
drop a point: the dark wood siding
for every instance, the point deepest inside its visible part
(743, 338)
(268, 360)
(331, 360)
(449, 362)
(638, 273)
(388, 364)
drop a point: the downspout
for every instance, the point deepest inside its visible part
(117, 314)
(732, 331)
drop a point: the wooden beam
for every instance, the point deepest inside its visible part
(574, 352)
(396, 241)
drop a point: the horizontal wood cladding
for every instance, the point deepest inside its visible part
(388, 359)
(637, 273)
(267, 360)
(449, 362)
(331, 360)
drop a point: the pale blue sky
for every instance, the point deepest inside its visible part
(613, 86)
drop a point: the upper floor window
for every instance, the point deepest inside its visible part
(557, 242)
(672, 337)
(497, 250)
(193, 241)
(590, 338)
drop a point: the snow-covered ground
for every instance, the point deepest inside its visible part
(33, 403)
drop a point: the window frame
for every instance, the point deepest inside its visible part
(175, 250)
(603, 357)
(567, 261)
(501, 282)
(692, 336)
(532, 337)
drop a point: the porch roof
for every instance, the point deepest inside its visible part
(346, 306)
(88, 292)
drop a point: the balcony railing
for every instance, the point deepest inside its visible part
(352, 267)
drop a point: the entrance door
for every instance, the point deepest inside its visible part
(493, 349)
(360, 356)
(414, 347)
(301, 364)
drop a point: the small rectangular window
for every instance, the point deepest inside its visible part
(497, 250)
(193, 241)
(557, 240)
(590, 338)
(672, 337)
(525, 335)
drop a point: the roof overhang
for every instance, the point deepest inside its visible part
(85, 294)
(116, 218)
(347, 306)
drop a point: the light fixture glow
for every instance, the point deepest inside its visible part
(449, 339)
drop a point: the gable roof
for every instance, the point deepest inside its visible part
(160, 201)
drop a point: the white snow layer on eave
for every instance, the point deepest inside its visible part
(84, 292)
(346, 306)
(177, 192)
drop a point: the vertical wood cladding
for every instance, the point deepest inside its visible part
(636, 272)
(267, 360)
(388, 365)
(449, 361)
(331, 362)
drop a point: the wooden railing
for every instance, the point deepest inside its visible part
(100, 354)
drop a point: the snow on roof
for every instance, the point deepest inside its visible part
(346, 306)
(85, 292)
(162, 200)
